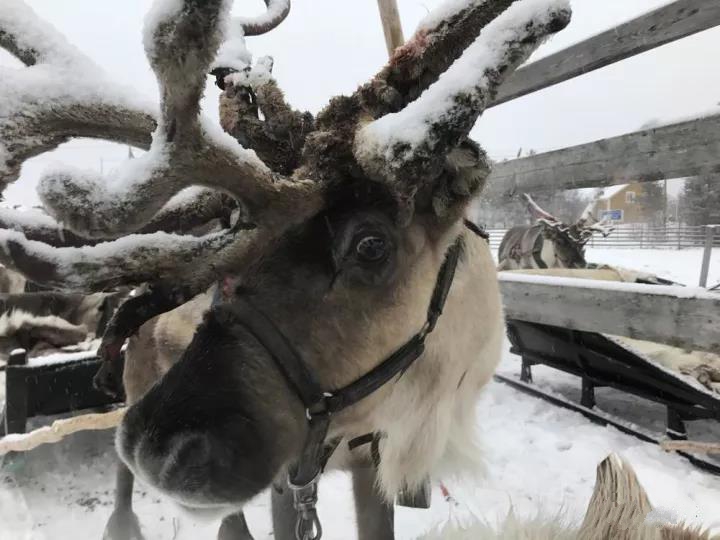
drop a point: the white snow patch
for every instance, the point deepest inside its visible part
(159, 12)
(233, 52)
(445, 11)
(253, 77)
(61, 358)
(674, 291)
(31, 32)
(27, 218)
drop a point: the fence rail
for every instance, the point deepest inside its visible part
(674, 151)
(639, 237)
(659, 27)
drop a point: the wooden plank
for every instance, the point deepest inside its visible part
(685, 149)
(664, 25)
(390, 17)
(678, 316)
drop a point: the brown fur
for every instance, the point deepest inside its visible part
(11, 281)
(159, 344)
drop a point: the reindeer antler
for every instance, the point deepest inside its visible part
(61, 94)
(277, 12)
(410, 148)
(186, 150)
(537, 212)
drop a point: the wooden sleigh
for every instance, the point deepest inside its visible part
(37, 387)
(602, 360)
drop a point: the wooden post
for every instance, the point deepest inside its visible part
(709, 234)
(16, 393)
(675, 429)
(587, 398)
(526, 371)
(390, 17)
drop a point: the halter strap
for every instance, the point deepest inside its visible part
(319, 404)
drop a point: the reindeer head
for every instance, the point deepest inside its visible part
(338, 224)
(569, 240)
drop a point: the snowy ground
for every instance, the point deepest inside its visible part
(682, 265)
(538, 456)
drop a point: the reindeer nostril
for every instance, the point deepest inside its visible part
(188, 458)
(193, 451)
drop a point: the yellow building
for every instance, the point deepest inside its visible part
(624, 204)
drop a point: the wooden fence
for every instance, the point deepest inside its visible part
(687, 148)
(632, 236)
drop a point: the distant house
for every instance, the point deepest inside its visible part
(625, 204)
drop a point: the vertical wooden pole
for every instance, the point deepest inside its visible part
(16, 398)
(390, 17)
(675, 428)
(709, 234)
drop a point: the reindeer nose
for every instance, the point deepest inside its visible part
(187, 462)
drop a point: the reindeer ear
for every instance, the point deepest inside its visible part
(618, 505)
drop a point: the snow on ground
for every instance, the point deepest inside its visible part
(682, 265)
(538, 457)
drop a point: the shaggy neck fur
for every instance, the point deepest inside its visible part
(427, 416)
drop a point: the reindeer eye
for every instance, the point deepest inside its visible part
(370, 248)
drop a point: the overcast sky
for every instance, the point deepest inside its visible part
(328, 47)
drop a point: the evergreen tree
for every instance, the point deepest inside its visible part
(700, 200)
(652, 201)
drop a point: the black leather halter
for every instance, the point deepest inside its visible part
(321, 404)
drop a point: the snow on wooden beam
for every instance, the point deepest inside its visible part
(675, 151)
(678, 316)
(664, 25)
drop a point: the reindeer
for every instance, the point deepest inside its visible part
(42, 321)
(355, 304)
(549, 243)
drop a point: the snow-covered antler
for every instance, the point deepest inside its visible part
(277, 11)
(588, 224)
(181, 42)
(60, 94)
(410, 147)
(604, 227)
(278, 138)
